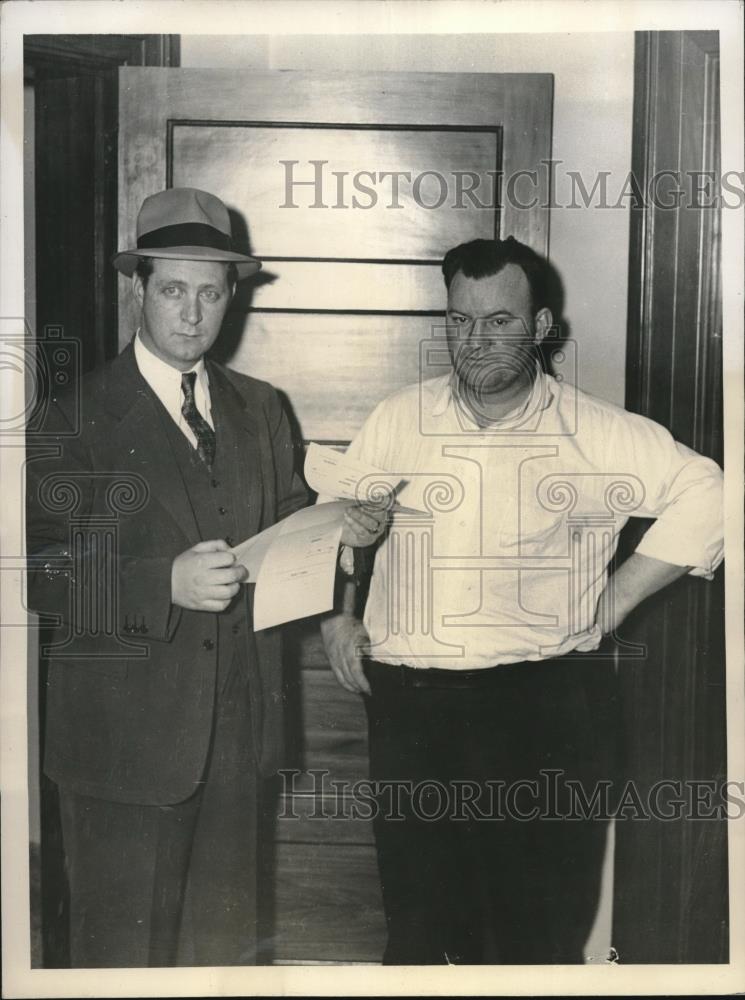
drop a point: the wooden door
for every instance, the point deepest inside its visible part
(350, 291)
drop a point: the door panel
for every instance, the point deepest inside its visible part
(298, 185)
(375, 288)
(228, 131)
(349, 363)
(671, 901)
(348, 301)
(328, 902)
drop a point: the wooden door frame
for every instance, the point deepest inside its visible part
(670, 899)
(65, 264)
(89, 54)
(652, 70)
(94, 61)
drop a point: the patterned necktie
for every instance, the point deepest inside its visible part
(202, 431)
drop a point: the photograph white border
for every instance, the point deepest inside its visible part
(353, 17)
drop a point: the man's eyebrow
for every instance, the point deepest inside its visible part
(183, 284)
(497, 312)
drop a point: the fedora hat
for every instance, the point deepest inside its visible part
(184, 224)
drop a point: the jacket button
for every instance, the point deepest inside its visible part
(208, 644)
(214, 484)
(221, 510)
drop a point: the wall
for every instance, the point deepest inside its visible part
(593, 90)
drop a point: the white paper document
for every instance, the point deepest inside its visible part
(293, 564)
(330, 473)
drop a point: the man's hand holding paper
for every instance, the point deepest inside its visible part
(363, 524)
(206, 577)
(293, 563)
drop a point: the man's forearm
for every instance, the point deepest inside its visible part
(635, 579)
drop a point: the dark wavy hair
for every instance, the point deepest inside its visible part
(485, 258)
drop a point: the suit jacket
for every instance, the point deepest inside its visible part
(136, 727)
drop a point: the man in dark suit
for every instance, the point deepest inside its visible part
(158, 752)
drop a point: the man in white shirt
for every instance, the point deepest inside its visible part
(164, 708)
(481, 653)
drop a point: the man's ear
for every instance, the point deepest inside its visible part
(138, 288)
(544, 320)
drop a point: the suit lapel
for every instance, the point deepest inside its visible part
(239, 454)
(140, 442)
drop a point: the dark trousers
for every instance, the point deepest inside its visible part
(496, 881)
(167, 885)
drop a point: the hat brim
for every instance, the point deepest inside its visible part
(126, 261)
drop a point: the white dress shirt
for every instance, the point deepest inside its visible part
(165, 382)
(511, 561)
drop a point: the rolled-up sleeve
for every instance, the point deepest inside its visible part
(683, 491)
(365, 447)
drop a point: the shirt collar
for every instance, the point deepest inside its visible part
(154, 368)
(539, 399)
